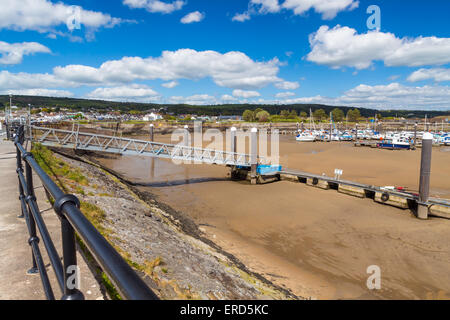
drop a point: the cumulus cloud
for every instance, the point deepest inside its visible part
(192, 17)
(44, 15)
(284, 94)
(343, 47)
(155, 6)
(287, 85)
(327, 8)
(228, 98)
(134, 92)
(39, 92)
(391, 96)
(23, 80)
(233, 69)
(170, 85)
(436, 74)
(245, 94)
(12, 53)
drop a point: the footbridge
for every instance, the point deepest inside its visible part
(75, 139)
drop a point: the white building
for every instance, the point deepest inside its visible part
(152, 117)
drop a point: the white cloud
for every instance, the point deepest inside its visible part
(391, 96)
(343, 47)
(195, 16)
(327, 8)
(241, 17)
(43, 15)
(233, 69)
(12, 53)
(39, 92)
(197, 99)
(284, 94)
(155, 6)
(245, 94)
(134, 92)
(228, 98)
(436, 74)
(170, 85)
(287, 85)
(267, 6)
(22, 80)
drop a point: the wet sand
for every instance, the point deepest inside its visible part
(316, 243)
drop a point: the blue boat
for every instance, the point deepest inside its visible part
(395, 144)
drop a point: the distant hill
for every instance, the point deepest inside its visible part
(225, 110)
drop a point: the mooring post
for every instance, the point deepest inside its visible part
(356, 135)
(331, 128)
(152, 128)
(415, 134)
(253, 154)
(425, 172)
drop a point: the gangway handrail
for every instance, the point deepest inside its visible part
(67, 207)
(91, 141)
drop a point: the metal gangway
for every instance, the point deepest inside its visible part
(75, 139)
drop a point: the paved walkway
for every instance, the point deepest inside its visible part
(15, 253)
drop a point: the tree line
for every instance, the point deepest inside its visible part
(76, 104)
(338, 115)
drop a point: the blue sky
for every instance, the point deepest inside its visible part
(218, 51)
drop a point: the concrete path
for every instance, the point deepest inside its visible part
(15, 253)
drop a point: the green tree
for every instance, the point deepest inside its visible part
(353, 115)
(263, 116)
(303, 114)
(338, 114)
(293, 114)
(284, 114)
(248, 116)
(320, 114)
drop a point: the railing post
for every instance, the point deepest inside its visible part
(233, 141)
(253, 154)
(71, 271)
(7, 131)
(186, 141)
(32, 224)
(425, 172)
(21, 191)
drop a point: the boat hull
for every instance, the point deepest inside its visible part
(394, 146)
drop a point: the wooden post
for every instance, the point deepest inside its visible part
(151, 132)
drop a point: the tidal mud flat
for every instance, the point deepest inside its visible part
(313, 242)
(164, 246)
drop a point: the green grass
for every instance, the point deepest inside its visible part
(55, 167)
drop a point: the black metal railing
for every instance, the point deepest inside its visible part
(66, 206)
